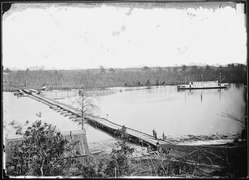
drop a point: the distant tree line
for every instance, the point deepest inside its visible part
(102, 77)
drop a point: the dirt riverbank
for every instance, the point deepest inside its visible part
(193, 156)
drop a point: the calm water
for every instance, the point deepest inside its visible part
(196, 112)
(23, 108)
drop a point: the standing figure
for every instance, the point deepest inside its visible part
(123, 131)
(148, 148)
(158, 147)
(164, 137)
(154, 134)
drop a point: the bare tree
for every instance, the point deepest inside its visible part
(85, 104)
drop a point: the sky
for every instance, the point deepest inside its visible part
(81, 36)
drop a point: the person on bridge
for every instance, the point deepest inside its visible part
(148, 148)
(164, 137)
(158, 148)
(154, 134)
(123, 131)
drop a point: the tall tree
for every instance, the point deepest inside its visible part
(102, 69)
(207, 67)
(7, 70)
(145, 68)
(112, 70)
(85, 104)
(184, 67)
(159, 69)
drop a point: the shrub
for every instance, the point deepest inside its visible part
(41, 152)
(120, 162)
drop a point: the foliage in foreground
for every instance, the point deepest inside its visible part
(40, 153)
(43, 150)
(120, 160)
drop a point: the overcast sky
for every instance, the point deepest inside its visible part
(88, 36)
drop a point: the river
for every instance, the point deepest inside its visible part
(163, 108)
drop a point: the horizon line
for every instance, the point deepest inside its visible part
(36, 68)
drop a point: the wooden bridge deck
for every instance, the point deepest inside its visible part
(98, 122)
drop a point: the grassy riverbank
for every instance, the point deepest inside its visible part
(100, 78)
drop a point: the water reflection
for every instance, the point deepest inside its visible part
(201, 93)
(219, 94)
(238, 85)
(185, 97)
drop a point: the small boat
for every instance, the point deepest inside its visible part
(19, 93)
(203, 85)
(35, 91)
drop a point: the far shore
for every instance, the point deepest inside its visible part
(13, 89)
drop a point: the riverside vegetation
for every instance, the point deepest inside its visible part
(110, 77)
(45, 152)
